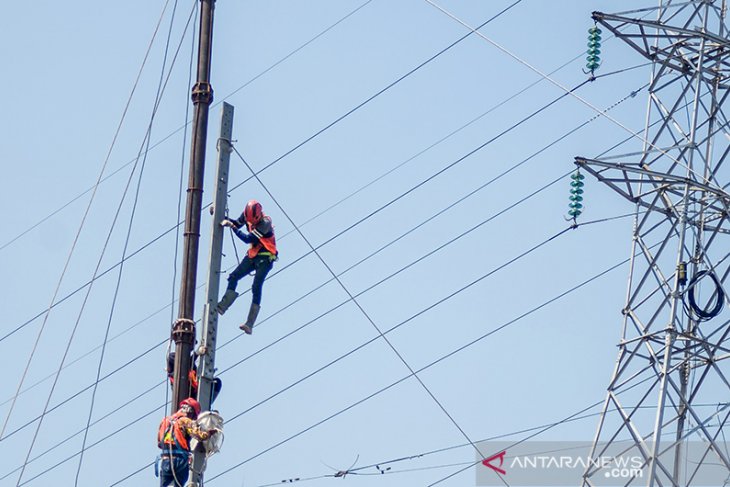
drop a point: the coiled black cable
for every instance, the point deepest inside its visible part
(704, 314)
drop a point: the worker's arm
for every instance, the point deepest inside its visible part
(191, 428)
(236, 227)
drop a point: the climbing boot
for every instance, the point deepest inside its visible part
(253, 312)
(227, 300)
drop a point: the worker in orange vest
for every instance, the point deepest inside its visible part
(259, 233)
(173, 438)
(192, 376)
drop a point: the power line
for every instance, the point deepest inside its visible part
(98, 420)
(119, 169)
(81, 225)
(562, 88)
(417, 226)
(491, 332)
(372, 340)
(83, 220)
(371, 98)
(332, 309)
(359, 306)
(98, 266)
(143, 151)
(330, 125)
(621, 100)
(439, 213)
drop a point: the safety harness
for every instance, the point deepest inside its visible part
(266, 245)
(171, 440)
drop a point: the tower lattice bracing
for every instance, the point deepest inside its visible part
(668, 400)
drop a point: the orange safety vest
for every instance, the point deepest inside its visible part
(171, 436)
(267, 243)
(192, 377)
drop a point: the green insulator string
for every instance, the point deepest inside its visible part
(593, 60)
(576, 192)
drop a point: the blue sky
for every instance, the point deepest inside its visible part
(329, 101)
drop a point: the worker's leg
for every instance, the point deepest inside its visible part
(181, 466)
(230, 295)
(165, 473)
(246, 266)
(263, 265)
(216, 389)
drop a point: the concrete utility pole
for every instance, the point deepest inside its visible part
(670, 381)
(183, 330)
(209, 333)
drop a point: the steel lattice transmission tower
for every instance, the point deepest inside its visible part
(671, 383)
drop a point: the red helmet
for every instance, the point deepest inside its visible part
(192, 403)
(253, 212)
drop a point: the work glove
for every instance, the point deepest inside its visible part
(228, 223)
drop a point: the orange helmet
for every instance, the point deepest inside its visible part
(192, 403)
(253, 212)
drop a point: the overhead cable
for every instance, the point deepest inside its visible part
(563, 88)
(182, 128)
(411, 230)
(511, 322)
(141, 154)
(83, 220)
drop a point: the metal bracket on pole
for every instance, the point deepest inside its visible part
(209, 330)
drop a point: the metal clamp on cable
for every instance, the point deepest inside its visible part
(183, 330)
(202, 93)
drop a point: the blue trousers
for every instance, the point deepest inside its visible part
(174, 471)
(261, 264)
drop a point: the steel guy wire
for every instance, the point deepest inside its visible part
(138, 419)
(433, 216)
(88, 387)
(341, 411)
(379, 465)
(142, 153)
(230, 190)
(359, 294)
(362, 260)
(481, 187)
(96, 270)
(83, 218)
(345, 473)
(451, 134)
(119, 169)
(345, 271)
(317, 133)
(560, 86)
(362, 310)
(98, 420)
(512, 127)
(383, 90)
(508, 170)
(86, 354)
(595, 277)
(337, 235)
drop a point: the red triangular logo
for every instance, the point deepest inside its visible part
(487, 462)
